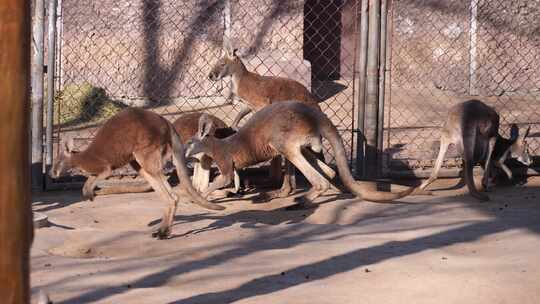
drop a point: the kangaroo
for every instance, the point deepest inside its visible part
(473, 127)
(256, 91)
(186, 126)
(140, 138)
(285, 128)
(516, 146)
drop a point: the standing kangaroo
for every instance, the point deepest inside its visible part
(142, 139)
(285, 128)
(473, 127)
(256, 91)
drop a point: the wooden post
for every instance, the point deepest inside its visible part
(15, 213)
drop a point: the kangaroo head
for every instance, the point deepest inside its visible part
(196, 147)
(227, 64)
(520, 147)
(62, 164)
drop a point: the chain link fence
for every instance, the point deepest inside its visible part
(157, 54)
(444, 52)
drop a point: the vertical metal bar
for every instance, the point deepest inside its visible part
(382, 79)
(51, 52)
(15, 210)
(37, 95)
(472, 48)
(57, 67)
(362, 64)
(372, 88)
(354, 83)
(388, 76)
(227, 35)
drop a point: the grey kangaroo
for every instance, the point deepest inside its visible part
(285, 128)
(140, 138)
(473, 127)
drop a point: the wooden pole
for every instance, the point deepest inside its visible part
(15, 212)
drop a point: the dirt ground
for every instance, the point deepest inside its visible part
(446, 248)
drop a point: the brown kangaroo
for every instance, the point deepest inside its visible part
(256, 91)
(285, 128)
(142, 139)
(186, 126)
(473, 127)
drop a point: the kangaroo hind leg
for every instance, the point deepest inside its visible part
(443, 147)
(319, 183)
(151, 170)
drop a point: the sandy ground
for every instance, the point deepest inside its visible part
(446, 248)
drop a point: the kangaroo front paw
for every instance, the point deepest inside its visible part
(162, 233)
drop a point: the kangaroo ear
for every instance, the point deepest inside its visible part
(205, 126)
(514, 132)
(69, 145)
(230, 51)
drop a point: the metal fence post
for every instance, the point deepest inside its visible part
(360, 140)
(37, 95)
(51, 52)
(372, 88)
(382, 81)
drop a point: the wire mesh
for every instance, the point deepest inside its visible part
(157, 54)
(444, 52)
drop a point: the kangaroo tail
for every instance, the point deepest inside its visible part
(469, 141)
(181, 169)
(364, 190)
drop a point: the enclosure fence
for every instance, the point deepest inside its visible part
(386, 72)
